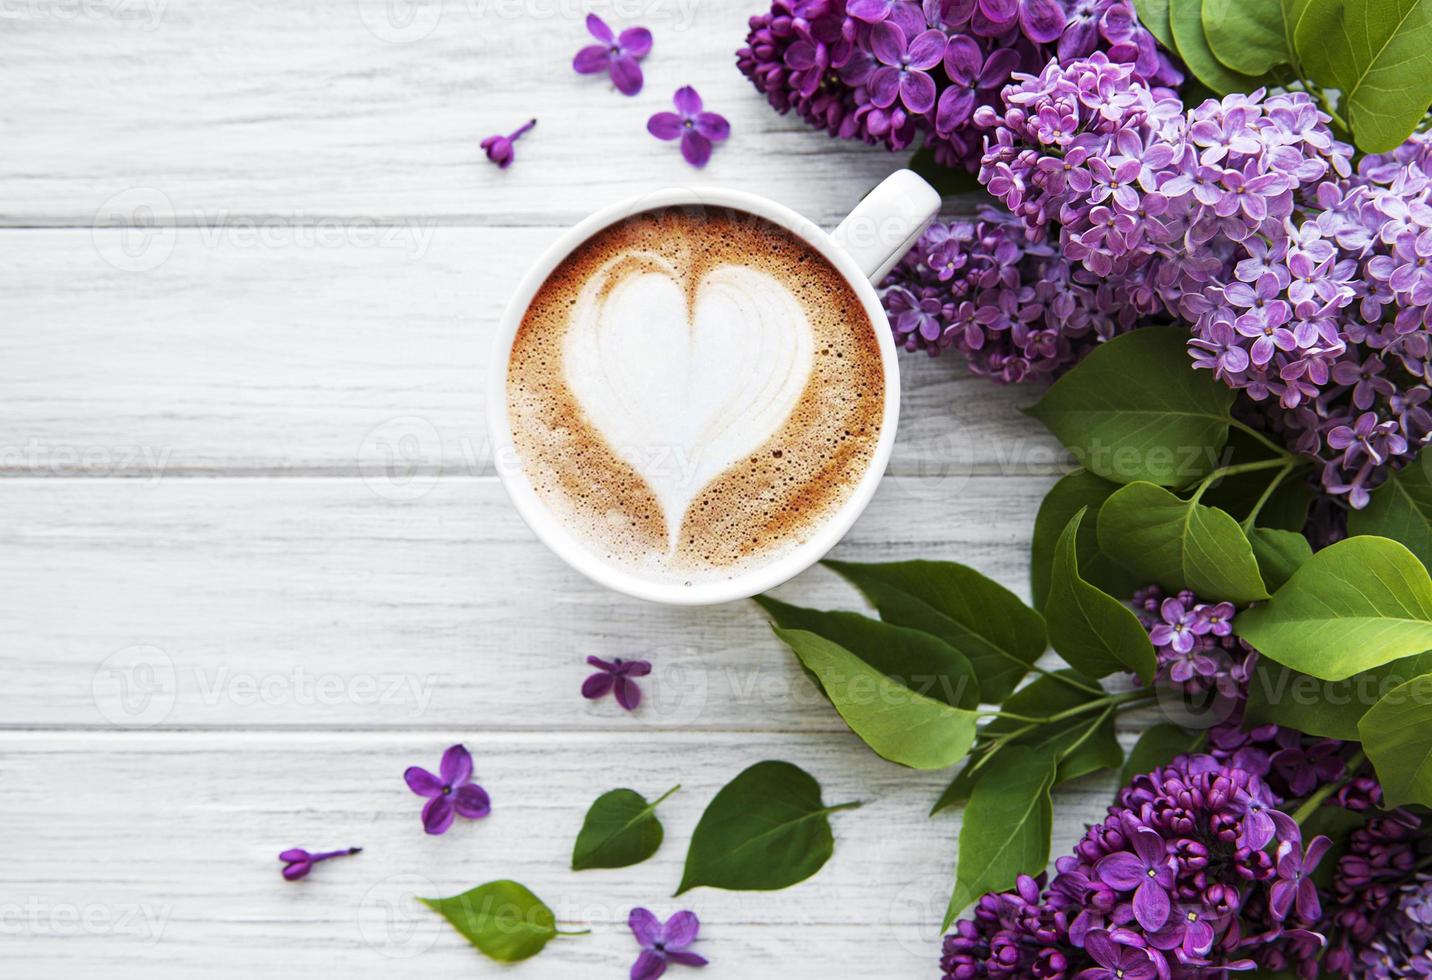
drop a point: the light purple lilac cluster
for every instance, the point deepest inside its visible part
(1306, 285)
(1013, 307)
(1194, 643)
(887, 71)
(1195, 872)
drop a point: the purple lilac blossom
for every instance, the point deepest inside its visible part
(616, 675)
(450, 793)
(1185, 828)
(616, 55)
(1306, 285)
(297, 862)
(871, 69)
(1194, 643)
(1010, 306)
(663, 942)
(696, 128)
(499, 148)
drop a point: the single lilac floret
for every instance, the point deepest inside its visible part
(451, 793)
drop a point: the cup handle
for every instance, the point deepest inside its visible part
(888, 222)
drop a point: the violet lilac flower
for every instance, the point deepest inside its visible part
(1295, 884)
(499, 148)
(696, 128)
(840, 66)
(298, 862)
(450, 793)
(1148, 872)
(616, 54)
(1171, 833)
(616, 675)
(663, 943)
(1305, 284)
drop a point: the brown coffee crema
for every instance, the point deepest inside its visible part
(768, 501)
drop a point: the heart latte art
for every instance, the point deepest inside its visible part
(695, 394)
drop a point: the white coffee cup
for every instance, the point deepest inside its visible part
(863, 248)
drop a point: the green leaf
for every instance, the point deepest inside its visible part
(1279, 554)
(1154, 15)
(1094, 746)
(982, 619)
(1065, 739)
(1249, 38)
(1132, 410)
(620, 830)
(503, 919)
(1401, 509)
(1157, 746)
(1186, 21)
(1180, 544)
(766, 829)
(1353, 606)
(1377, 54)
(948, 181)
(961, 786)
(1006, 827)
(1397, 736)
(920, 661)
(1074, 492)
(1279, 695)
(1094, 632)
(896, 723)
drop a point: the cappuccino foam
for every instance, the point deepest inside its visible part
(694, 393)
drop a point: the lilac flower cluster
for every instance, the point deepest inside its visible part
(1378, 919)
(1195, 872)
(886, 71)
(1194, 643)
(1013, 307)
(1303, 282)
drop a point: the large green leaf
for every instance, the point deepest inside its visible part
(1153, 14)
(503, 919)
(1401, 509)
(1006, 827)
(1353, 606)
(1186, 22)
(1279, 695)
(1095, 633)
(1249, 38)
(1074, 492)
(1158, 746)
(920, 661)
(892, 719)
(1279, 554)
(1132, 410)
(1180, 544)
(1377, 54)
(766, 829)
(982, 619)
(620, 830)
(1397, 736)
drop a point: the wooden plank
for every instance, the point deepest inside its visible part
(156, 854)
(328, 349)
(375, 109)
(318, 602)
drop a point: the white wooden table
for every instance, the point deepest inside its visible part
(253, 557)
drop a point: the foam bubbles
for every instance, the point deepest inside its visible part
(695, 393)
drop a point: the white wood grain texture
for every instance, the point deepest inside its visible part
(323, 349)
(272, 107)
(155, 856)
(319, 603)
